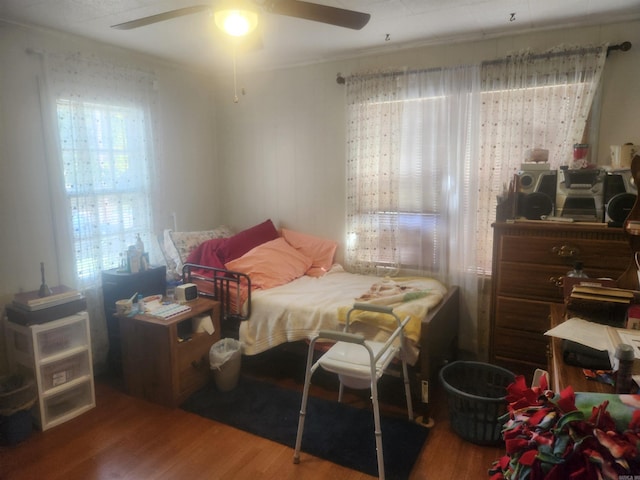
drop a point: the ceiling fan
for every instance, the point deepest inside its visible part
(292, 8)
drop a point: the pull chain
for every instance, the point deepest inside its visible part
(235, 78)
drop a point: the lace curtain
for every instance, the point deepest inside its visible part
(531, 101)
(429, 152)
(102, 147)
(99, 128)
(375, 104)
(412, 141)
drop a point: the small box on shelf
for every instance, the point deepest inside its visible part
(633, 317)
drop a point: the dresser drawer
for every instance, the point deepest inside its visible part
(520, 345)
(530, 262)
(520, 366)
(193, 362)
(524, 315)
(607, 255)
(534, 281)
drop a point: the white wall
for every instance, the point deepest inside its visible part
(187, 178)
(187, 160)
(282, 147)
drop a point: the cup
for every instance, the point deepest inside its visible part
(124, 307)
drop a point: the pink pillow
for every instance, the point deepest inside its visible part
(271, 264)
(236, 246)
(320, 250)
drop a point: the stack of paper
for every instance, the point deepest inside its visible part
(600, 337)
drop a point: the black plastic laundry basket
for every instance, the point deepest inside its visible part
(476, 394)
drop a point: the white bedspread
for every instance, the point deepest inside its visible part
(297, 310)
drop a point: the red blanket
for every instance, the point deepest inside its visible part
(207, 254)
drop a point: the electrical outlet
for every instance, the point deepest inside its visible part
(425, 391)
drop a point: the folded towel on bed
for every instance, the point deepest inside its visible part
(412, 297)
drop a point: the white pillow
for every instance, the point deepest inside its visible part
(178, 245)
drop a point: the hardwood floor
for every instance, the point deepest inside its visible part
(129, 438)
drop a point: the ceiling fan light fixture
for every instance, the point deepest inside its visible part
(236, 18)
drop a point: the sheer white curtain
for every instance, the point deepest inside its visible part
(429, 152)
(375, 104)
(411, 183)
(98, 120)
(531, 100)
(102, 147)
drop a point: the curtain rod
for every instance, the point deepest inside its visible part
(624, 46)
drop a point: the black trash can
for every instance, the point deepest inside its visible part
(17, 396)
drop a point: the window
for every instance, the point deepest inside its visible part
(105, 164)
(430, 151)
(410, 144)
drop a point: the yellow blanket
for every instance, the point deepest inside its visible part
(412, 296)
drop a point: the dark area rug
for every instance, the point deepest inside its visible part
(336, 432)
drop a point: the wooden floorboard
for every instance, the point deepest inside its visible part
(129, 438)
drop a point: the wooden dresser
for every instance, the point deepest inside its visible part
(530, 260)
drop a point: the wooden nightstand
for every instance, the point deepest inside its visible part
(165, 361)
(118, 285)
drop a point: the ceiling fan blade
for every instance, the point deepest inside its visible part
(319, 13)
(161, 17)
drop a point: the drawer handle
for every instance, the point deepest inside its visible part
(201, 365)
(565, 251)
(557, 281)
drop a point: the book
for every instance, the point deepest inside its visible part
(32, 301)
(22, 316)
(602, 294)
(600, 298)
(604, 291)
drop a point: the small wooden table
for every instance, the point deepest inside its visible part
(165, 361)
(563, 375)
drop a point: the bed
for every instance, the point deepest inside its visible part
(279, 287)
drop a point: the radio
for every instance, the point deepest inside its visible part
(186, 292)
(619, 196)
(580, 194)
(536, 189)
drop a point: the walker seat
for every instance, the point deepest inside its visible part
(359, 364)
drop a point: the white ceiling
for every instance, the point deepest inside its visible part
(290, 41)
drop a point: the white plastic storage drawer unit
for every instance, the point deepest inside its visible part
(57, 355)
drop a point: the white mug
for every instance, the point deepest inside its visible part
(123, 307)
(621, 155)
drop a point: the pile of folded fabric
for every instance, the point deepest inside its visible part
(584, 436)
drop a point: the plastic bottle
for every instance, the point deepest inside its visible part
(577, 271)
(624, 381)
(139, 244)
(140, 304)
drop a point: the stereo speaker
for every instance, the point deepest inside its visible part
(619, 195)
(536, 193)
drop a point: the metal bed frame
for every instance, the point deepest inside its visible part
(438, 339)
